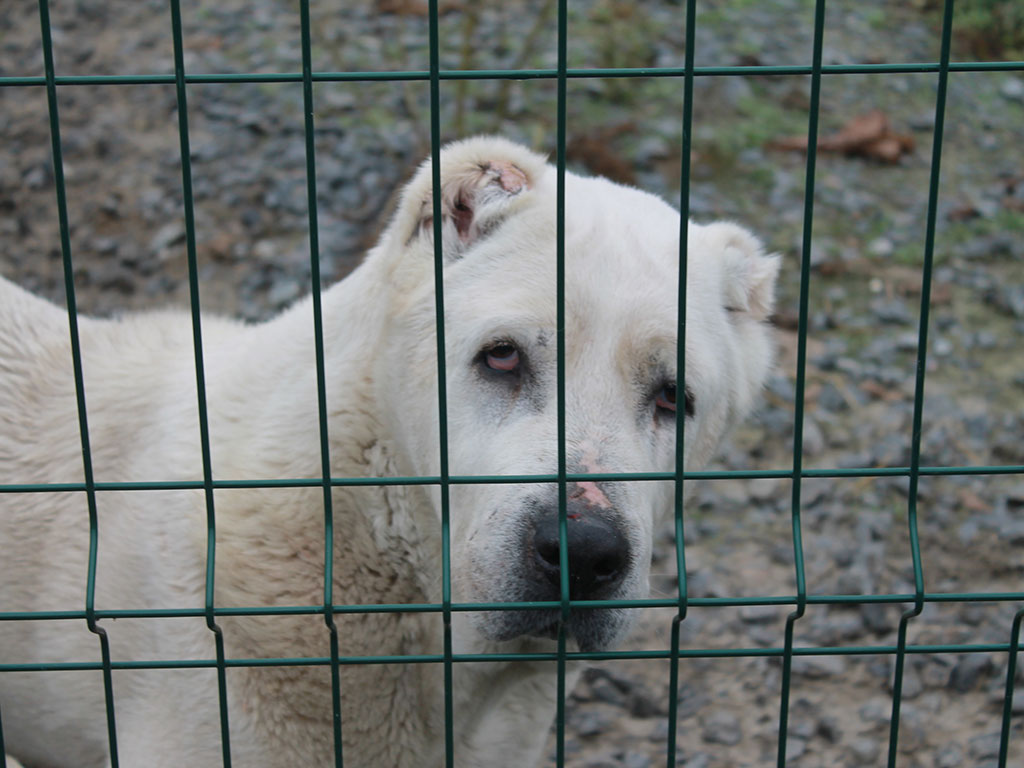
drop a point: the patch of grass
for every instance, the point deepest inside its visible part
(759, 118)
(877, 18)
(908, 254)
(991, 29)
(988, 30)
(1005, 220)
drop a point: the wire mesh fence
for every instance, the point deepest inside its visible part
(675, 654)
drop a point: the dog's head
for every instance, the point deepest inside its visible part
(621, 388)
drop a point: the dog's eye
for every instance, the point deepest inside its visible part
(502, 357)
(665, 399)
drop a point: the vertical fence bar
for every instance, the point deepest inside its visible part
(442, 382)
(3, 745)
(76, 360)
(684, 231)
(321, 377)
(563, 531)
(922, 357)
(197, 346)
(801, 375)
(1011, 675)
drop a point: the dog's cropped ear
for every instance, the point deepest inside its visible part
(483, 181)
(748, 273)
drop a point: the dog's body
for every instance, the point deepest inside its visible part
(382, 418)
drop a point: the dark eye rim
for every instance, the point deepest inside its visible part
(689, 406)
(506, 349)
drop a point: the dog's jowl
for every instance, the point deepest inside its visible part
(623, 396)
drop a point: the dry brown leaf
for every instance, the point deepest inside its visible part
(973, 502)
(858, 132)
(868, 135)
(880, 391)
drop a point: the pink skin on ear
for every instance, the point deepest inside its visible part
(510, 178)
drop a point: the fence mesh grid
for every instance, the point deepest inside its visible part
(444, 480)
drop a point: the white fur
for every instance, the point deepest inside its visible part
(379, 340)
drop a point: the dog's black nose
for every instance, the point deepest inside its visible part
(598, 553)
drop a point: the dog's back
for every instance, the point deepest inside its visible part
(129, 367)
(38, 421)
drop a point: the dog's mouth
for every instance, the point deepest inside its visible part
(592, 629)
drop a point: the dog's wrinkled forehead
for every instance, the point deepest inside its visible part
(621, 255)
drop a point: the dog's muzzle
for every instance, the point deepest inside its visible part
(600, 561)
(597, 554)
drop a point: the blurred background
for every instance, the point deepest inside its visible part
(123, 171)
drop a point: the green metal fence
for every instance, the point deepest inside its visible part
(682, 603)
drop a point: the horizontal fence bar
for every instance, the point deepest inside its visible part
(475, 658)
(518, 74)
(699, 602)
(311, 482)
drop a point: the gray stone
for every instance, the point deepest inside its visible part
(837, 628)
(642, 703)
(881, 247)
(721, 727)
(984, 340)
(636, 760)
(864, 750)
(997, 698)
(284, 291)
(968, 531)
(696, 760)
(984, 745)
(590, 722)
(878, 617)
(167, 236)
(819, 667)
(765, 488)
(1012, 89)
(972, 614)
(760, 614)
(105, 246)
(855, 580)
(704, 583)
(950, 756)
(1009, 299)
(603, 689)
(38, 176)
(877, 710)
(813, 438)
(942, 347)
(692, 700)
(1013, 532)
(659, 732)
(911, 684)
(934, 671)
(795, 747)
(829, 729)
(831, 399)
(968, 670)
(892, 312)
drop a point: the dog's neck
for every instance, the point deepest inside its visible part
(275, 367)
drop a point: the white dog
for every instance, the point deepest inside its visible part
(622, 393)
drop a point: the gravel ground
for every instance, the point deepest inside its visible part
(122, 165)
